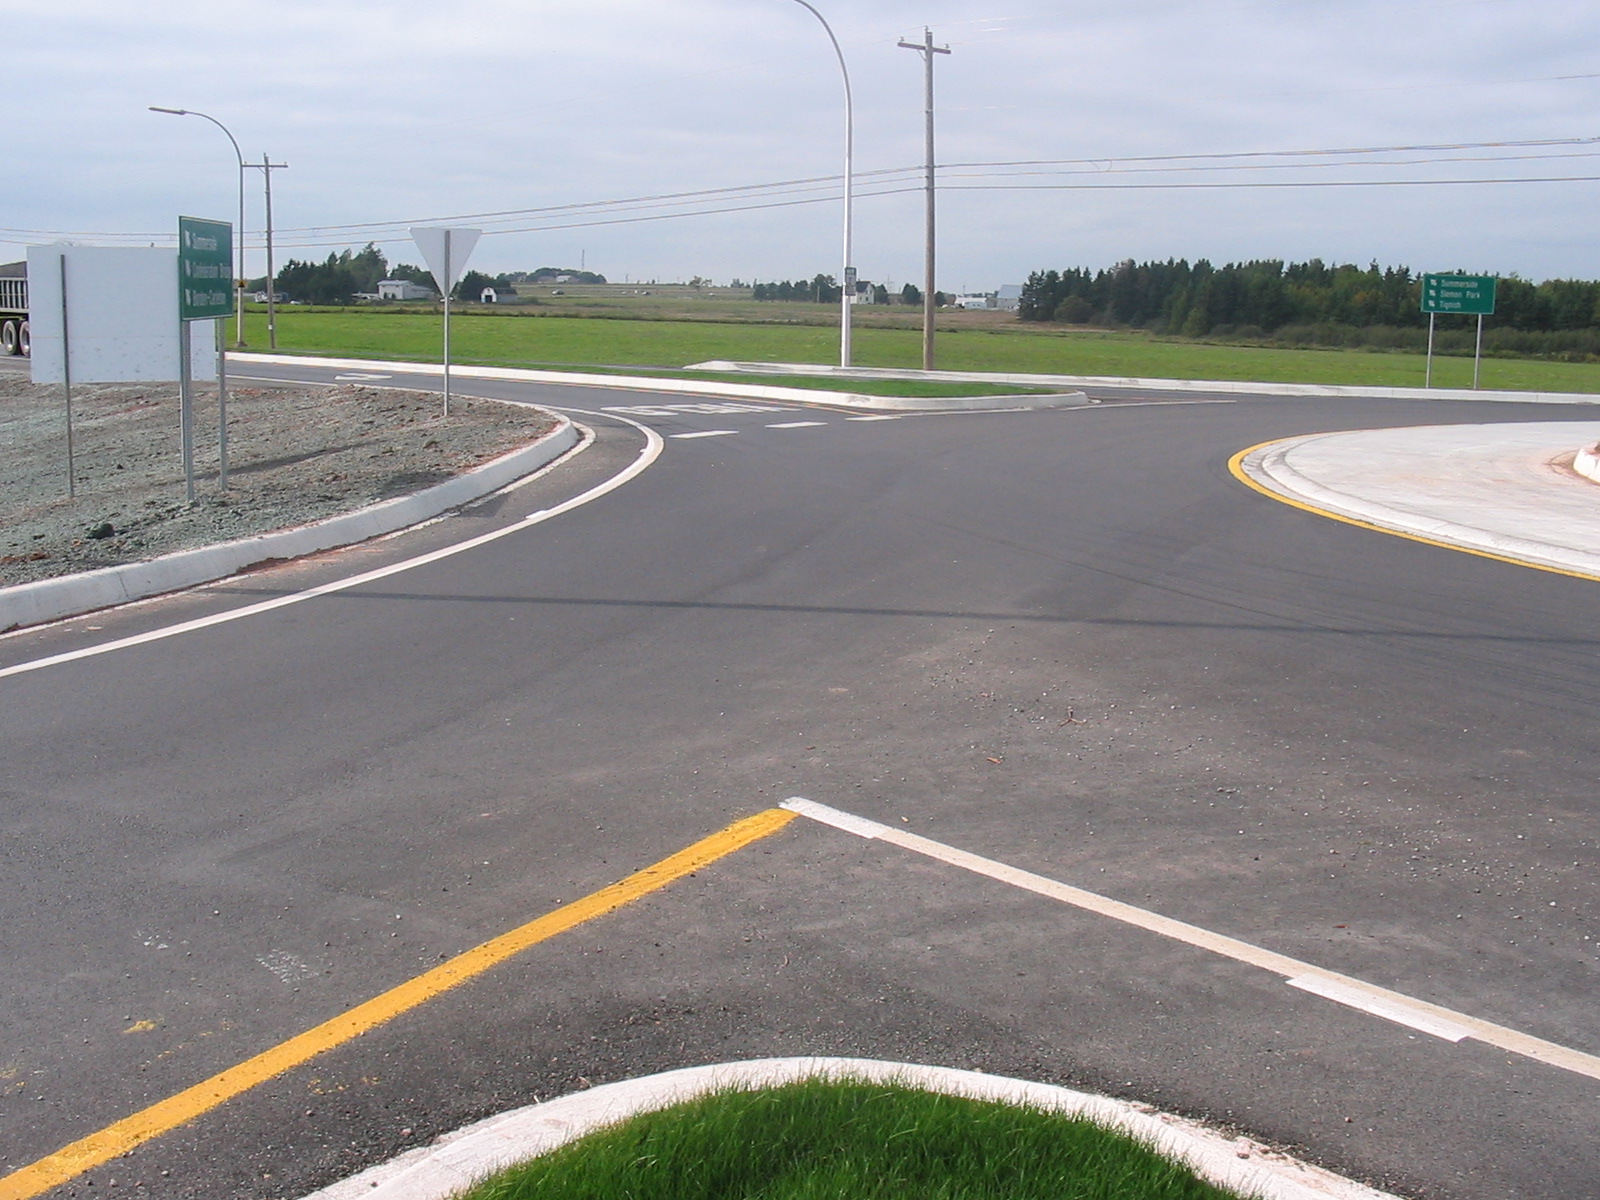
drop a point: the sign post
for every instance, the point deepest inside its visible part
(1466, 294)
(205, 277)
(446, 252)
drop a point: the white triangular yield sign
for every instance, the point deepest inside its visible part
(445, 251)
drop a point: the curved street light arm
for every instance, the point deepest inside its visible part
(238, 267)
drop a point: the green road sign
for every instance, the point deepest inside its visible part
(1470, 294)
(205, 269)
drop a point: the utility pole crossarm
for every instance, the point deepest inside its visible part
(927, 49)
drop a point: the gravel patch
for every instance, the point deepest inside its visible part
(297, 453)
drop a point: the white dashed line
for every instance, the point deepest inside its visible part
(797, 425)
(876, 417)
(1369, 998)
(704, 433)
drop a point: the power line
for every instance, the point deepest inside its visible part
(896, 181)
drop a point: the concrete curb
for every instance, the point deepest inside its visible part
(458, 1159)
(1270, 467)
(692, 387)
(1587, 462)
(51, 599)
(1169, 385)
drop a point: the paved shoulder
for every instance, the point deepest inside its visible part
(1505, 490)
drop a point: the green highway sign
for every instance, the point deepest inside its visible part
(205, 269)
(1469, 294)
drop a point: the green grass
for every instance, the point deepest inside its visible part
(977, 342)
(819, 1140)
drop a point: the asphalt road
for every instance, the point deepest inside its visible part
(1067, 641)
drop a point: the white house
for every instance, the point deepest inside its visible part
(499, 295)
(403, 289)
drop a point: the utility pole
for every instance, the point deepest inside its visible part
(267, 168)
(927, 49)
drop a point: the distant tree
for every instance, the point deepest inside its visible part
(553, 275)
(335, 281)
(826, 290)
(414, 273)
(367, 267)
(1074, 310)
(880, 294)
(911, 294)
(472, 285)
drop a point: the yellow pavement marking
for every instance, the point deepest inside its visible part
(165, 1115)
(1236, 469)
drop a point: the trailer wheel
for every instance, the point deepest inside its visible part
(25, 341)
(10, 338)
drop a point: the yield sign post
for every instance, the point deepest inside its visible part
(446, 252)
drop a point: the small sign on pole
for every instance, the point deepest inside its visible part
(1469, 295)
(205, 282)
(446, 252)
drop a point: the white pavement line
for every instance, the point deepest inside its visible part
(652, 450)
(1358, 998)
(876, 417)
(703, 433)
(797, 425)
(457, 1160)
(1292, 969)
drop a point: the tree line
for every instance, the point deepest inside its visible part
(825, 289)
(344, 275)
(1305, 303)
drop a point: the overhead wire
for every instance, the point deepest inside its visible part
(987, 176)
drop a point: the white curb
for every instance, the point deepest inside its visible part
(458, 1159)
(51, 599)
(693, 387)
(1587, 462)
(1169, 385)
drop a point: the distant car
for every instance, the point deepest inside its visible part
(557, 292)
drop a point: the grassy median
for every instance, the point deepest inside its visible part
(530, 337)
(821, 1140)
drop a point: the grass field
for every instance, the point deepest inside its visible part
(817, 1140)
(663, 337)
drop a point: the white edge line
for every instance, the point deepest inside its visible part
(647, 455)
(703, 433)
(1392, 1003)
(459, 1159)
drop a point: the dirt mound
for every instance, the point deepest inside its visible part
(296, 454)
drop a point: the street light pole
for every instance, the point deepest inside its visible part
(238, 233)
(927, 49)
(847, 285)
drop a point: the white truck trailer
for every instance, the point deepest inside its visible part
(14, 337)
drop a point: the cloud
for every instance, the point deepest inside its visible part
(406, 111)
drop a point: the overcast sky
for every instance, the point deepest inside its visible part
(400, 111)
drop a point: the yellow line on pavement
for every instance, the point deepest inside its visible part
(163, 1116)
(1236, 469)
